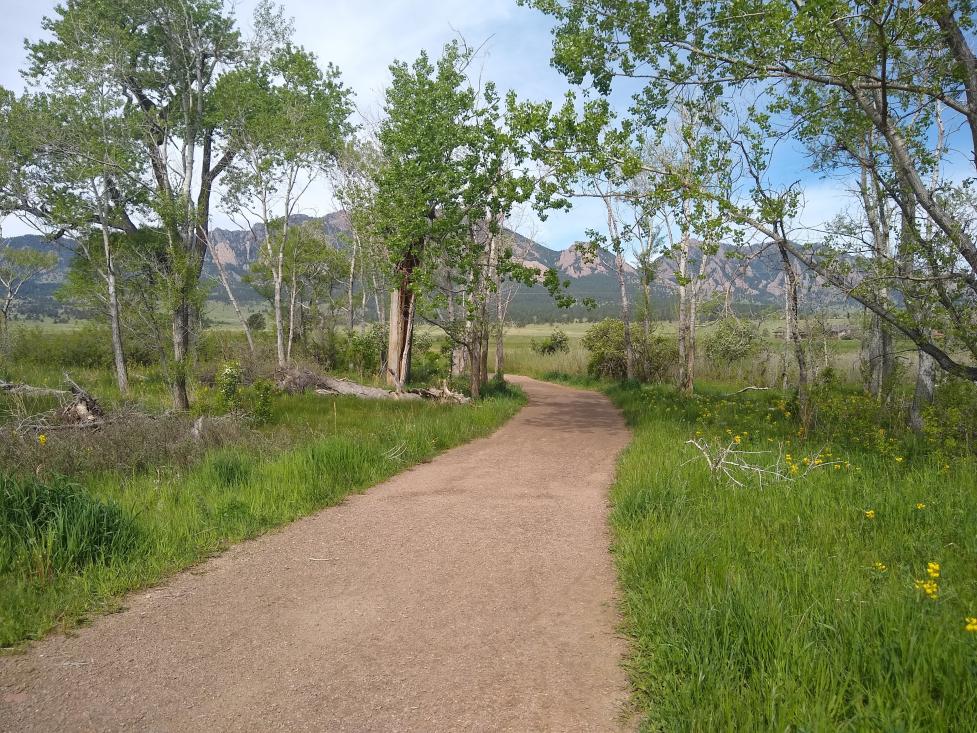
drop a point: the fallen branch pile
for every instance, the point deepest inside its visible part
(78, 409)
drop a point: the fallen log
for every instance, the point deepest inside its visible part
(334, 386)
(27, 390)
(298, 380)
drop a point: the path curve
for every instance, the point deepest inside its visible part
(474, 592)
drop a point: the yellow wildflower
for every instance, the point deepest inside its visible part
(971, 624)
(933, 569)
(920, 505)
(898, 459)
(870, 514)
(737, 439)
(929, 587)
(880, 567)
(42, 439)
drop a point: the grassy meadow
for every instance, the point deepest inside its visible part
(85, 518)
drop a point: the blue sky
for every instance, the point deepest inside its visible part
(363, 37)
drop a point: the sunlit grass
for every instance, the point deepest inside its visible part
(794, 606)
(338, 446)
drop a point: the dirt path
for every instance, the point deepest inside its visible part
(474, 592)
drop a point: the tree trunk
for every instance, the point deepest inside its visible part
(475, 365)
(401, 335)
(925, 390)
(222, 273)
(500, 333)
(279, 322)
(880, 356)
(181, 356)
(118, 354)
(291, 318)
(349, 284)
(795, 336)
(625, 317)
(686, 354)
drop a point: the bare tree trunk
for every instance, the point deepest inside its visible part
(118, 354)
(377, 301)
(181, 355)
(291, 318)
(925, 390)
(686, 354)
(475, 364)
(279, 320)
(222, 273)
(795, 336)
(401, 335)
(500, 333)
(349, 283)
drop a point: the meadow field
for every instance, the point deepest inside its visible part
(87, 516)
(772, 576)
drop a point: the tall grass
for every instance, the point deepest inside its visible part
(793, 606)
(181, 515)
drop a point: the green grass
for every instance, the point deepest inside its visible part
(763, 608)
(168, 520)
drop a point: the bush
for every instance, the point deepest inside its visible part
(733, 340)
(57, 527)
(256, 322)
(228, 383)
(950, 423)
(556, 343)
(653, 357)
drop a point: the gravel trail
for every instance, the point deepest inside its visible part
(474, 592)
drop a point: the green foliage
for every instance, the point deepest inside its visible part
(950, 423)
(794, 607)
(605, 342)
(556, 343)
(57, 527)
(732, 340)
(228, 382)
(256, 322)
(258, 398)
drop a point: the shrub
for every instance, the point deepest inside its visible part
(732, 340)
(258, 401)
(556, 343)
(653, 357)
(57, 527)
(256, 322)
(228, 383)
(950, 423)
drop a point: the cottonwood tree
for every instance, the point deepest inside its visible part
(443, 183)
(287, 118)
(828, 73)
(168, 57)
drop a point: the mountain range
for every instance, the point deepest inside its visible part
(757, 280)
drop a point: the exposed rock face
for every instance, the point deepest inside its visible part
(758, 278)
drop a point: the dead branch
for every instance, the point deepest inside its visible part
(751, 388)
(731, 462)
(26, 390)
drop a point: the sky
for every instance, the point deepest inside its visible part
(362, 37)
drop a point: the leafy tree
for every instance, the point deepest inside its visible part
(288, 120)
(448, 175)
(166, 57)
(859, 85)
